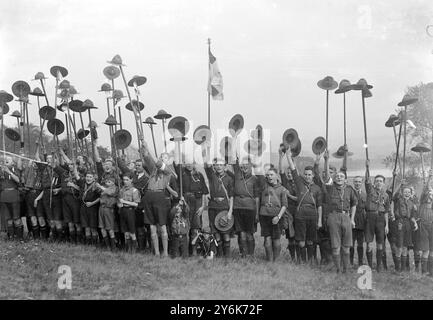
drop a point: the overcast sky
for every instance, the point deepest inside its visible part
(271, 55)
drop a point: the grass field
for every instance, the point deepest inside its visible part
(29, 271)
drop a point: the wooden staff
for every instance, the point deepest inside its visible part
(365, 125)
(394, 173)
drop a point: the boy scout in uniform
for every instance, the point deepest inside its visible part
(425, 225)
(404, 210)
(246, 205)
(10, 198)
(358, 230)
(308, 216)
(377, 207)
(342, 201)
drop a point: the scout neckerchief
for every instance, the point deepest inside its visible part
(87, 188)
(273, 194)
(220, 178)
(308, 186)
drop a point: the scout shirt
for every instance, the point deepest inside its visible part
(273, 198)
(108, 197)
(129, 194)
(9, 186)
(193, 182)
(246, 189)
(425, 212)
(377, 200)
(220, 187)
(403, 208)
(340, 198)
(65, 176)
(309, 195)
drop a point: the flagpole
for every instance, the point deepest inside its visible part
(208, 92)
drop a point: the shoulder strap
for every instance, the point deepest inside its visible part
(224, 188)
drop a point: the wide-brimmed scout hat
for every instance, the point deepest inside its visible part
(340, 153)
(344, 86)
(327, 83)
(392, 121)
(37, 92)
(56, 69)
(111, 72)
(135, 103)
(149, 121)
(105, 87)
(138, 80)
(21, 89)
(162, 114)
(117, 60)
(222, 223)
(236, 125)
(12, 134)
(5, 96)
(39, 76)
(362, 85)
(4, 108)
(202, 134)
(319, 145)
(407, 100)
(421, 147)
(178, 127)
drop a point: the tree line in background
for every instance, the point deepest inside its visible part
(421, 114)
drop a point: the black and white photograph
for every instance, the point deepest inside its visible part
(216, 154)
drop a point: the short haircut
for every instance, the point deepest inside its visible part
(357, 177)
(110, 178)
(379, 176)
(216, 160)
(310, 168)
(128, 175)
(138, 160)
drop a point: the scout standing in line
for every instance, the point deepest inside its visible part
(129, 198)
(194, 191)
(288, 182)
(89, 208)
(140, 180)
(404, 210)
(358, 230)
(273, 205)
(341, 200)
(425, 225)
(10, 198)
(106, 218)
(70, 197)
(246, 205)
(221, 198)
(52, 200)
(157, 199)
(377, 207)
(308, 217)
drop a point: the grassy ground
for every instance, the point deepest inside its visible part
(29, 271)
